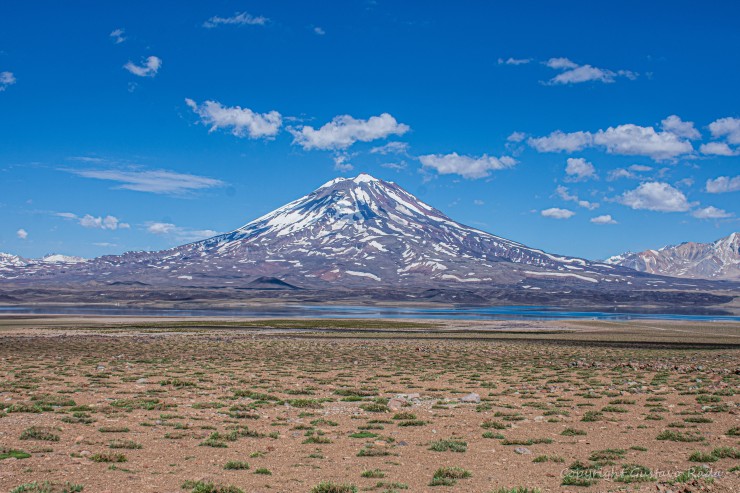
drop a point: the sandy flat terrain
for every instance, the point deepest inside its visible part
(159, 405)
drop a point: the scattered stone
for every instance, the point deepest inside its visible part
(522, 451)
(471, 398)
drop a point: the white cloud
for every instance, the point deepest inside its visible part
(634, 140)
(723, 184)
(238, 19)
(148, 68)
(242, 121)
(479, 202)
(711, 212)
(579, 169)
(391, 148)
(95, 222)
(344, 130)
(605, 219)
(559, 141)
(155, 181)
(319, 30)
(628, 139)
(618, 173)
(564, 194)
(573, 73)
(557, 213)
(118, 36)
(395, 166)
(718, 149)
(726, 127)
(22, 234)
(640, 168)
(516, 137)
(514, 61)
(341, 163)
(466, 166)
(680, 128)
(7, 79)
(178, 233)
(655, 196)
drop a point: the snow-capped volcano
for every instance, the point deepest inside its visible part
(350, 232)
(716, 260)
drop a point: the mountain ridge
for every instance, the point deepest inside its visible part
(719, 259)
(350, 233)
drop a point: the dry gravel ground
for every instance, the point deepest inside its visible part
(160, 405)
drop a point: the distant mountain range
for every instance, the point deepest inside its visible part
(716, 260)
(360, 236)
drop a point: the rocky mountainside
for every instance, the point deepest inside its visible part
(350, 233)
(716, 260)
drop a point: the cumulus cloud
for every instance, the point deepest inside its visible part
(655, 196)
(723, 184)
(466, 166)
(557, 213)
(579, 169)
(573, 73)
(628, 139)
(178, 233)
(344, 130)
(559, 141)
(726, 127)
(238, 19)
(319, 31)
(564, 194)
(118, 36)
(630, 172)
(514, 61)
(22, 234)
(718, 149)
(676, 126)
(711, 212)
(243, 122)
(605, 219)
(7, 79)
(634, 140)
(154, 181)
(148, 68)
(95, 222)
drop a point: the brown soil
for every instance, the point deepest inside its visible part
(274, 395)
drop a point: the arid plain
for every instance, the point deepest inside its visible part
(166, 405)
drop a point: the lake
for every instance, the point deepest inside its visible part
(349, 311)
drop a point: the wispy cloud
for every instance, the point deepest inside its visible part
(118, 36)
(564, 194)
(243, 122)
(21, 234)
(573, 73)
(7, 79)
(153, 181)
(238, 19)
(148, 68)
(514, 61)
(178, 233)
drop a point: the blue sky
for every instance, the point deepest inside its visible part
(574, 127)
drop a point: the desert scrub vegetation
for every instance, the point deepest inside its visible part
(449, 445)
(448, 476)
(47, 487)
(330, 487)
(208, 487)
(39, 433)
